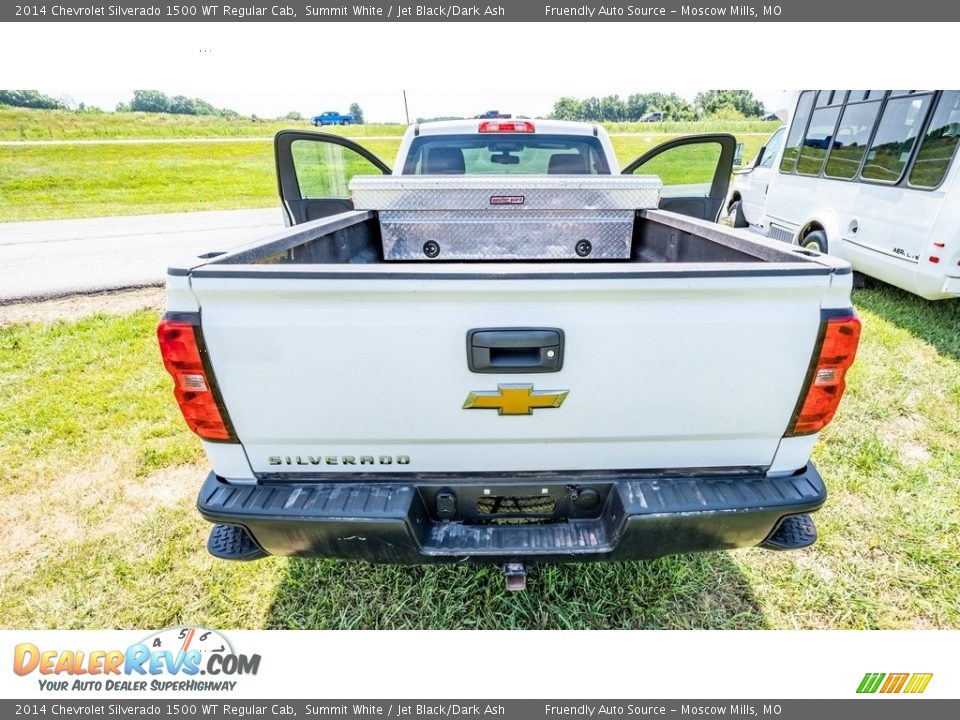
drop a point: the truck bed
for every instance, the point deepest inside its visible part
(659, 238)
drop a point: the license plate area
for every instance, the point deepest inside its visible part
(516, 505)
(500, 503)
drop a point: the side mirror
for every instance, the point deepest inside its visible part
(738, 155)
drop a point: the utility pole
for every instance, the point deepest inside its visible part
(406, 110)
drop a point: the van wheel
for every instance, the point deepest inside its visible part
(816, 240)
(735, 214)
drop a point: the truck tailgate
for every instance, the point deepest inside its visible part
(667, 371)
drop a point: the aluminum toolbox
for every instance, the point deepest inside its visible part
(506, 217)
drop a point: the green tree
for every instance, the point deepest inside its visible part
(357, 113)
(180, 105)
(566, 108)
(637, 106)
(293, 115)
(612, 109)
(149, 101)
(741, 101)
(30, 99)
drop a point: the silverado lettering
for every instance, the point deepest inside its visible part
(338, 460)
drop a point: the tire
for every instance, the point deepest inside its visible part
(735, 214)
(816, 240)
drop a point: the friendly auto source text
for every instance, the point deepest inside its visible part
(637, 11)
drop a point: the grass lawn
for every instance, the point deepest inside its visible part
(26, 124)
(63, 181)
(98, 478)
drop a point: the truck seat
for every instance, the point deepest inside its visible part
(567, 164)
(444, 161)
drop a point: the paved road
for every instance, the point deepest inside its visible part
(54, 258)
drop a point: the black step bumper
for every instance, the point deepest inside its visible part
(395, 520)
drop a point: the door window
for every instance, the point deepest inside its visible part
(686, 170)
(773, 147)
(324, 169)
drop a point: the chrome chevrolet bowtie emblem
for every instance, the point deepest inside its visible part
(515, 399)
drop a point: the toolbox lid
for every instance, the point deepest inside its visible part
(507, 193)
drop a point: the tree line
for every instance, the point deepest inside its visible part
(154, 101)
(726, 104)
(30, 99)
(149, 101)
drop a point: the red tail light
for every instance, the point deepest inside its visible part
(192, 385)
(506, 126)
(826, 383)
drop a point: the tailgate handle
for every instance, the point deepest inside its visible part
(515, 350)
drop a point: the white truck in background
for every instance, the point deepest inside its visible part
(383, 384)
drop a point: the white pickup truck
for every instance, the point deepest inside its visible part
(360, 395)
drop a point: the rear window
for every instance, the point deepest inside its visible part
(506, 154)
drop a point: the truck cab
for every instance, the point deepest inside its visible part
(314, 170)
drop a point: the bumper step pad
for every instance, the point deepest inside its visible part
(232, 542)
(794, 533)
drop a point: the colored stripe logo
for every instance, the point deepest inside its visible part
(913, 683)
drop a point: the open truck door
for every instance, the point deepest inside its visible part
(314, 170)
(695, 171)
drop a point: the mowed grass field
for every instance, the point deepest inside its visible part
(38, 125)
(45, 182)
(190, 173)
(99, 475)
(26, 124)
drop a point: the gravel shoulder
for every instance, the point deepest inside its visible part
(121, 302)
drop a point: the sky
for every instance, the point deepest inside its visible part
(461, 69)
(379, 105)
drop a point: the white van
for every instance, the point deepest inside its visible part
(867, 175)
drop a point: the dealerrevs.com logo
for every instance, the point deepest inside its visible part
(179, 659)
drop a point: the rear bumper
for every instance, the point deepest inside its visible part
(397, 520)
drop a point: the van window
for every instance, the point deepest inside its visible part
(800, 117)
(850, 145)
(818, 140)
(893, 143)
(772, 148)
(939, 145)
